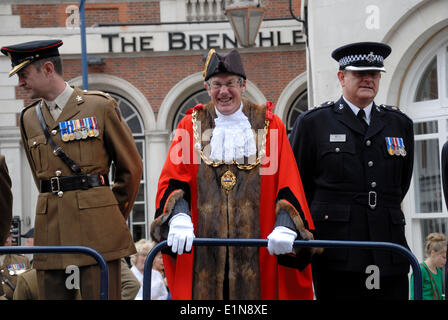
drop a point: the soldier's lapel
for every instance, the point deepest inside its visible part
(376, 121)
(51, 123)
(344, 114)
(72, 107)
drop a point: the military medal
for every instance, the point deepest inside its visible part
(63, 130)
(84, 130)
(71, 135)
(95, 127)
(91, 132)
(228, 181)
(17, 268)
(77, 129)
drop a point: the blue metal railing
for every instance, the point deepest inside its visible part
(104, 272)
(300, 243)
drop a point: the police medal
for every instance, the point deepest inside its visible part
(396, 147)
(401, 145)
(389, 144)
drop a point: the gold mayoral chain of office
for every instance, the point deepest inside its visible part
(206, 159)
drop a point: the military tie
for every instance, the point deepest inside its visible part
(55, 111)
(361, 116)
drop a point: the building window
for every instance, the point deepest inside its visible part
(200, 96)
(428, 109)
(138, 218)
(299, 106)
(427, 88)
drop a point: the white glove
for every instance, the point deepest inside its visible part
(181, 233)
(281, 240)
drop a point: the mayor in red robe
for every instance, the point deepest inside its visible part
(240, 198)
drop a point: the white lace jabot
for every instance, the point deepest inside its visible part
(232, 138)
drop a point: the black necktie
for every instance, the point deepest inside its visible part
(361, 115)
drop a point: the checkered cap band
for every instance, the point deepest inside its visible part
(369, 58)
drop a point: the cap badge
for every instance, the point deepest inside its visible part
(370, 58)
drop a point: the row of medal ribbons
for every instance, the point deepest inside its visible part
(78, 129)
(395, 146)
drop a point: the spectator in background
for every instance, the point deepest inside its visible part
(11, 266)
(432, 274)
(159, 290)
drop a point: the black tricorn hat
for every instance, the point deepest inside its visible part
(23, 54)
(362, 56)
(230, 63)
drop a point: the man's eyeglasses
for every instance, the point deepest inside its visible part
(215, 85)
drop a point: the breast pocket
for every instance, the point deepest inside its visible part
(335, 159)
(393, 167)
(39, 152)
(83, 152)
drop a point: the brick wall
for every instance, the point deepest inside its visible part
(280, 8)
(155, 76)
(55, 15)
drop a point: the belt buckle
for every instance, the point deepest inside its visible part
(58, 185)
(372, 196)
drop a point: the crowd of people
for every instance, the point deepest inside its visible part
(231, 172)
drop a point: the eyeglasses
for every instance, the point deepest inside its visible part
(229, 84)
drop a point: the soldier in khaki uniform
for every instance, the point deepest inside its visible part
(5, 200)
(70, 163)
(11, 266)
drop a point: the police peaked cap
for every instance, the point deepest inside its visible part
(362, 56)
(23, 54)
(230, 63)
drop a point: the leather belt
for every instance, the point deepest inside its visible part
(371, 198)
(82, 182)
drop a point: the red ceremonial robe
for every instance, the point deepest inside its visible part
(278, 172)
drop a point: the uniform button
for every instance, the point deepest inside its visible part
(58, 172)
(326, 217)
(337, 149)
(34, 143)
(54, 132)
(373, 184)
(370, 163)
(60, 194)
(368, 143)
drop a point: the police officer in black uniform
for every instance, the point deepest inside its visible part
(445, 193)
(355, 159)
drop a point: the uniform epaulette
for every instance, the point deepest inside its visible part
(318, 107)
(393, 109)
(99, 93)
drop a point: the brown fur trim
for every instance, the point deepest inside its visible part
(298, 222)
(159, 227)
